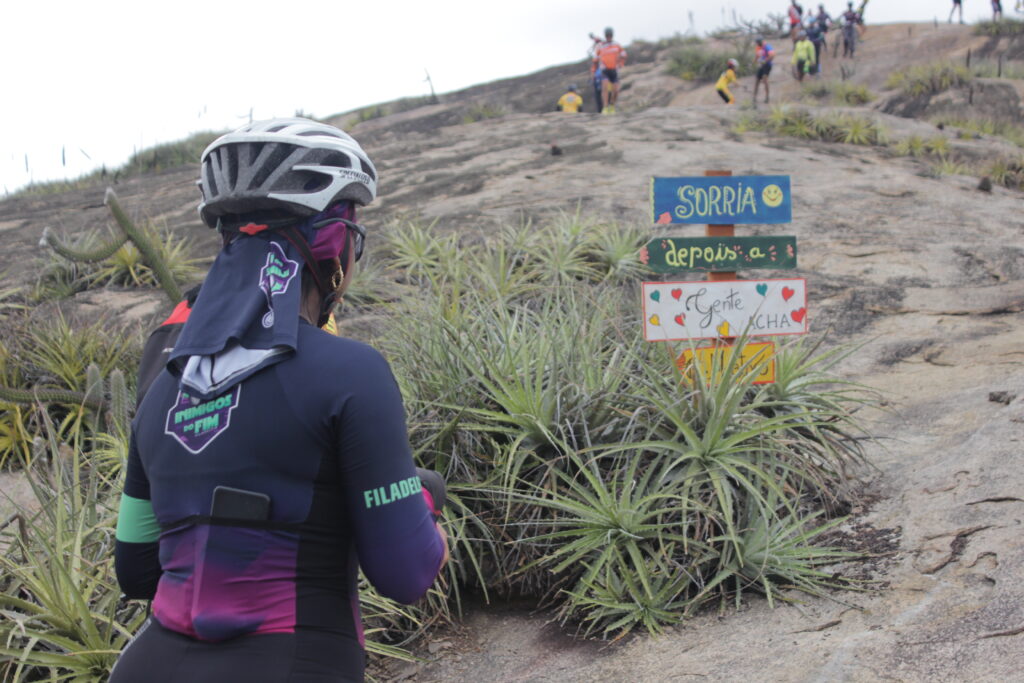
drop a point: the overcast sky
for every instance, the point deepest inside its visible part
(99, 79)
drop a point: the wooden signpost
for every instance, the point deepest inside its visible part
(720, 198)
(755, 357)
(723, 307)
(677, 311)
(714, 254)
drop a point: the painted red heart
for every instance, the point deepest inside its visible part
(680, 319)
(799, 314)
(676, 293)
(787, 292)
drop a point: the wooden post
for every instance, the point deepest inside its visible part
(720, 231)
(713, 230)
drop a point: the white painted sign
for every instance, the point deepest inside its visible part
(726, 308)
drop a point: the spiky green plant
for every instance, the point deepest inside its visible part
(913, 146)
(419, 252)
(929, 79)
(64, 618)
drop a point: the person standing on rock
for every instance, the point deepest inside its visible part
(795, 13)
(958, 7)
(763, 56)
(610, 58)
(997, 10)
(817, 39)
(571, 102)
(803, 56)
(269, 461)
(850, 19)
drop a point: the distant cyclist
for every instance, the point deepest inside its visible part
(610, 58)
(803, 56)
(817, 39)
(824, 21)
(727, 78)
(795, 12)
(571, 102)
(997, 10)
(764, 54)
(850, 21)
(958, 6)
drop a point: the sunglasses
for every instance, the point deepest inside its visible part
(360, 239)
(360, 232)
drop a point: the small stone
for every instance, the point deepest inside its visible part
(1004, 397)
(556, 151)
(985, 185)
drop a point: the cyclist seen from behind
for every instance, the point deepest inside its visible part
(571, 102)
(268, 461)
(610, 58)
(763, 56)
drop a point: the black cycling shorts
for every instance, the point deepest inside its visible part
(764, 70)
(721, 93)
(159, 655)
(611, 75)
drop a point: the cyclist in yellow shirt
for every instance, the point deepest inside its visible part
(803, 56)
(571, 102)
(727, 78)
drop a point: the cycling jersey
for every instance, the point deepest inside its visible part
(611, 55)
(803, 54)
(725, 80)
(570, 102)
(765, 54)
(795, 14)
(320, 436)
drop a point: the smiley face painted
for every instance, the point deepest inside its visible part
(772, 195)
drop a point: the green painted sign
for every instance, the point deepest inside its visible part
(722, 254)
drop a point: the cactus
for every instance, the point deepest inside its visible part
(48, 395)
(150, 254)
(119, 415)
(102, 252)
(145, 246)
(114, 405)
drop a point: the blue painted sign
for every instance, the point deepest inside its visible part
(722, 200)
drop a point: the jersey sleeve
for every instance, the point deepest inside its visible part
(136, 552)
(397, 543)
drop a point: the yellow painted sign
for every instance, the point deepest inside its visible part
(755, 357)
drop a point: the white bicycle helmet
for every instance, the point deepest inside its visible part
(294, 165)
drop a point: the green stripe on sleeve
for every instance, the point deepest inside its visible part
(136, 522)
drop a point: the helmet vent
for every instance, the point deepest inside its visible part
(254, 151)
(367, 169)
(335, 159)
(231, 161)
(279, 152)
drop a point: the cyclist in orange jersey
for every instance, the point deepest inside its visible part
(610, 57)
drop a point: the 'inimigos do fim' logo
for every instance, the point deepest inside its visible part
(721, 200)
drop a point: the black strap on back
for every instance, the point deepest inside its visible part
(193, 520)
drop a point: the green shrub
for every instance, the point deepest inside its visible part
(986, 68)
(975, 127)
(1004, 27)
(929, 79)
(481, 111)
(838, 92)
(701, 64)
(842, 127)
